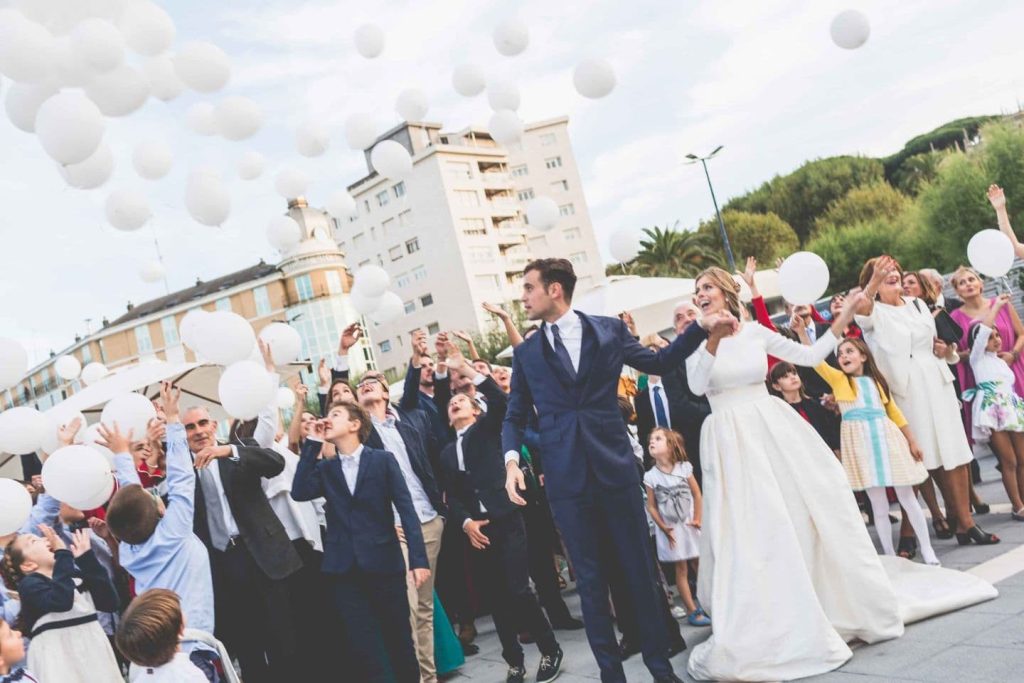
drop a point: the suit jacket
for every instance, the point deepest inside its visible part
(258, 524)
(484, 478)
(361, 527)
(415, 400)
(581, 428)
(415, 435)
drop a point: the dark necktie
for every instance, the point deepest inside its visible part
(660, 416)
(562, 352)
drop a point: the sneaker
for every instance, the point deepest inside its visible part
(678, 612)
(550, 667)
(516, 674)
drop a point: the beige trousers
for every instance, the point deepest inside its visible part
(421, 601)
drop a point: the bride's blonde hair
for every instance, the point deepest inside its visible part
(725, 282)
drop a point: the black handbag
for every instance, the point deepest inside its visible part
(947, 329)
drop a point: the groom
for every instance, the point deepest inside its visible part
(569, 373)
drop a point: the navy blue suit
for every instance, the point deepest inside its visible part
(590, 471)
(363, 558)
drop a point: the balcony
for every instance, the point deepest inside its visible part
(496, 182)
(510, 235)
(515, 262)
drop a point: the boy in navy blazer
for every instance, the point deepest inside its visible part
(362, 555)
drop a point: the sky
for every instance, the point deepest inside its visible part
(760, 77)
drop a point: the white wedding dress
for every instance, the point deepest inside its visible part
(788, 572)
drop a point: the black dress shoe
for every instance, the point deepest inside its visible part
(676, 647)
(567, 624)
(627, 649)
(550, 666)
(671, 678)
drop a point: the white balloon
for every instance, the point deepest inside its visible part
(27, 50)
(284, 341)
(238, 118)
(803, 278)
(94, 372)
(245, 389)
(360, 131)
(91, 173)
(391, 159)
(127, 209)
(69, 71)
(285, 400)
(511, 36)
(468, 80)
(364, 303)
(200, 118)
(371, 281)
(67, 367)
(542, 213)
(250, 166)
(70, 127)
(13, 362)
(147, 28)
(505, 127)
(99, 44)
(369, 40)
(54, 421)
(152, 159)
(624, 244)
(291, 183)
(990, 253)
(389, 309)
(312, 139)
(152, 271)
(164, 83)
(341, 204)
(118, 92)
(79, 476)
(22, 103)
(90, 437)
(850, 29)
(207, 199)
(502, 94)
(15, 506)
(224, 337)
(131, 411)
(412, 104)
(22, 430)
(202, 66)
(189, 326)
(283, 233)
(594, 78)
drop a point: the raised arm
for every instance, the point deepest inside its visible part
(514, 337)
(308, 483)
(662, 361)
(411, 386)
(295, 426)
(756, 300)
(998, 201)
(881, 268)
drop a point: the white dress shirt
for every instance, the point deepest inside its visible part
(570, 329)
(664, 402)
(394, 443)
(350, 467)
(229, 520)
(462, 463)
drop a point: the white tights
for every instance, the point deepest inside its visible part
(907, 499)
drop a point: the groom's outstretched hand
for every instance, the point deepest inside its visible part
(514, 482)
(721, 324)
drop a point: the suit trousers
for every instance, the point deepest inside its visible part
(514, 605)
(374, 610)
(421, 601)
(603, 525)
(543, 539)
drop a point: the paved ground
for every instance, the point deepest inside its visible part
(981, 644)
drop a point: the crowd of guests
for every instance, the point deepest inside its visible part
(371, 533)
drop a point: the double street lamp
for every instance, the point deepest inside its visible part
(693, 158)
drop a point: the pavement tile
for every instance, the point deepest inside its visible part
(974, 664)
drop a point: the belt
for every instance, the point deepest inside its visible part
(864, 414)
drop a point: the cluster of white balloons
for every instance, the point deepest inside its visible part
(370, 295)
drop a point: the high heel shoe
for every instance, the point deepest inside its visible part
(981, 508)
(942, 529)
(976, 535)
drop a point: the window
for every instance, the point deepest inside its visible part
(571, 234)
(488, 282)
(566, 209)
(170, 330)
(373, 233)
(553, 162)
(304, 286)
(366, 206)
(459, 170)
(410, 307)
(523, 195)
(358, 240)
(413, 245)
(382, 198)
(560, 186)
(519, 171)
(405, 219)
(403, 280)
(399, 189)
(262, 299)
(333, 282)
(386, 227)
(467, 197)
(538, 244)
(87, 353)
(474, 226)
(142, 339)
(547, 139)
(364, 262)
(223, 304)
(433, 328)
(480, 254)
(578, 258)
(385, 346)
(395, 253)
(426, 300)
(419, 273)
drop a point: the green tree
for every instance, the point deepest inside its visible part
(494, 341)
(863, 204)
(764, 236)
(671, 252)
(917, 171)
(1003, 162)
(946, 137)
(953, 208)
(846, 249)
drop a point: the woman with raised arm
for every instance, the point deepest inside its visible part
(998, 201)
(779, 516)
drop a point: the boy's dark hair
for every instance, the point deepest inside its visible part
(132, 515)
(336, 382)
(358, 413)
(150, 628)
(553, 270)
(485, 362)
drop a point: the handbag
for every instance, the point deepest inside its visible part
(947, 329)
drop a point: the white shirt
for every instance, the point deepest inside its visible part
(664, 402)
(462, 463)
(229, 520)
(393, 443)
(570, 329)
(179, 670)
(350, 467)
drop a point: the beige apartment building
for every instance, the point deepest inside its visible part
(454, 233)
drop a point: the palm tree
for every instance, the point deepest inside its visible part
(671, 252)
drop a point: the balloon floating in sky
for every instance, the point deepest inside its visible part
(13, 362)
(990, 253)
(505, 127)
(468, 80)
(803, 278)
(98, 44)
(391, 159)
(412, 104)
(127, 210)
(594, 78)
(502, 94)
(207, 198)
(237, 118)
(118, 92)
(152, 271)
(15, 506)
(312, 139)
(200, 118)
(91, 173)
(369, 40)
(284, 341)
(340, 204)
(67, 367)
(202, 66)
(22, 103)
(94, 372)
(371, 281)
(283, 233)
(70, 127)
(152, 159)
(511, 36)
(389, 309)
(360, 131)
(542, 213)
(250, 166)
(291, 183)
(164, 83)
(146, 27)
(850, 29)
(624, 244)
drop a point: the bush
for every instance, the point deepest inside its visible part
(862, 204)
(764, 236)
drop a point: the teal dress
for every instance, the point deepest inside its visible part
(447, 649)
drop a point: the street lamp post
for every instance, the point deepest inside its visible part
(693, 158)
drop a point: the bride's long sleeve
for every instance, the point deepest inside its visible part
(797, 354)
(698, 369)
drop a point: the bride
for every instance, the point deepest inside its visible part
(788, 571)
